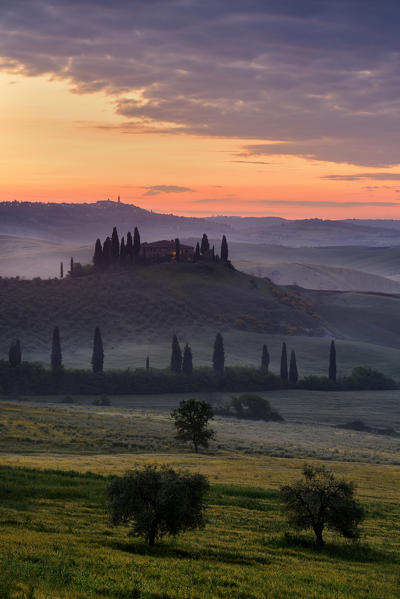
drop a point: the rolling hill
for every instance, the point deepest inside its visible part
(317, 276)
(79, 222)
(149, 303)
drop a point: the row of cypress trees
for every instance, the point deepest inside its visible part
(115, 252)
(291, 373)
(181, 362)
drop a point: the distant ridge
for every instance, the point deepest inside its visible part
(81, 222)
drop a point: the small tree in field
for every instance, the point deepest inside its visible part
(219, 355)
(265, 359)
(157, 501)
(187, 362)
(191, 422)
(319, 500)
(293, 372)
(98, 352)
(56, 355)
(176, 356)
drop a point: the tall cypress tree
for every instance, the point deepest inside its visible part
(187, 364)
(122, 253)
(177, 250)
(176, 356)
(136, 243)
(205, 246)
(107, 253)
(61, 270)
(114, 245)
(264, 359)
(224, 249)
(219, 355)
(56, 355)
(332, 362)
(129, 248)
(98, 254)
(284, 364)
(98, 352)
(15, 354)
(293, 373)
(213, 254)
(71, 267)
(196, 256)
(147, 363)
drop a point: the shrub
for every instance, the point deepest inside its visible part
(319, 500)
(156, 501)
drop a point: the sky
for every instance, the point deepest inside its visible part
(199, 107)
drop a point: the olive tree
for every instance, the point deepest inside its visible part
(320, 500)
(191, 422)
(157, 500)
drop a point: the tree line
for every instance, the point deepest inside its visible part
(180, 362)
(18, 376)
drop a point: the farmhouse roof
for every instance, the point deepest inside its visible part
(165, 244)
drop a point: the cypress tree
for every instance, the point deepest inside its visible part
(56, 355)
(219, 355)
(205, 246)
(122, 254)
(136, 243)
(264, 359)
(293, 373)
(187, 364)
(213, 254)
(98, 352)
(114, 245)
(284, 364)
(224, 249)
(98, 254)
(61, 270)
(176, 356)
(196, 256)
(71, 267)
(129, 248)
(15, 354)
(147, 363)
(177, 250)
(107, 254)
(332, 362)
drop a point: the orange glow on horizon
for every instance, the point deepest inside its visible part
(64, 147)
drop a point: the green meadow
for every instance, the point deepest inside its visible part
(56, 541)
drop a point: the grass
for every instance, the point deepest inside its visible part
(56, 539)
(135, 424)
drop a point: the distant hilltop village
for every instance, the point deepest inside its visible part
(113, 252)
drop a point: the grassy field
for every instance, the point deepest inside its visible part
(56, 541)
(142, 423)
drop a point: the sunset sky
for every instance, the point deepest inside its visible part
(199, 107)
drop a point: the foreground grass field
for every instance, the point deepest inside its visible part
(56, 541)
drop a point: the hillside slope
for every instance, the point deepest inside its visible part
(317, 276)
(149, 303)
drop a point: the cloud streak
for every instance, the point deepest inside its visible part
(153, 190)
(320, 78)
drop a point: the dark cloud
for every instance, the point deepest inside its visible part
(153, 190)
(317, 203)
(321, 77)
(360, 176)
